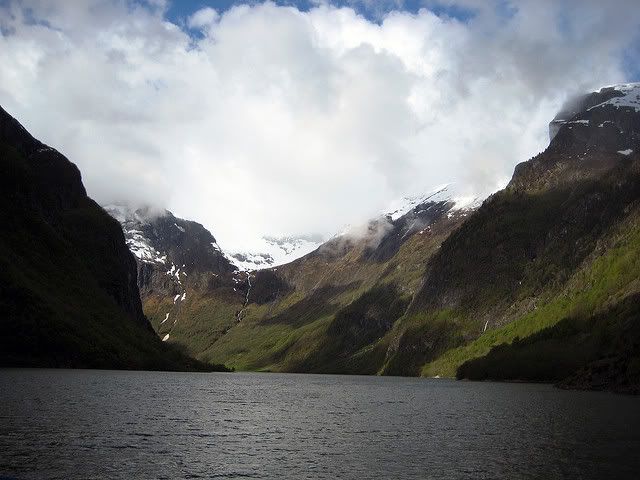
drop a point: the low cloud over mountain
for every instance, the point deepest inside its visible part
(226, 116)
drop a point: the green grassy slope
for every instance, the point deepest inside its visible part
(557, 290)
(595, 351)
(523, 263)
(606, 278)
(335, 317)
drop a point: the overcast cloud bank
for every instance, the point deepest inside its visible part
(267, 120)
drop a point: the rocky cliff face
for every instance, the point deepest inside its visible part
(68, 290)
(54, 190)
(615, 103)
(588, 137)
(169, 249)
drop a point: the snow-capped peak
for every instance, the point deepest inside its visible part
(273, 251)
(442, 193)
(604, 105)
(630, 97)
(131, 221)
(126, 214)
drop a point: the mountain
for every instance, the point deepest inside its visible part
(286, 317)
(195, 294)
(276, 251)
(68, 288)
(167, 248)
(191, 290)
(273, 251)
(444, 193)
(539, 282)
(542, 281)
(334, 309)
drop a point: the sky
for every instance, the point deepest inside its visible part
(298, 117)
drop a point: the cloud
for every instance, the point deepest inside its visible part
(205, 17)
(278, 121)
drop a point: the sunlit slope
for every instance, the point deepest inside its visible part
(330, 310)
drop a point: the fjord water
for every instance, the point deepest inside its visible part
(114, 424)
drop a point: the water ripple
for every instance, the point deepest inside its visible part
(103, 424)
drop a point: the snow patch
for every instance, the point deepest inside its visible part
(585, 122)
(165, 318)
(46, 149)
(628, 151)
(165, 338)
(142, 249)
(274, 251)
(629, 99)
(442, 193)
(131, 222)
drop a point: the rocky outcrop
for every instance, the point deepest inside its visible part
(591, 135)
(168, 249)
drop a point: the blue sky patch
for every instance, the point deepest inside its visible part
(373, 11)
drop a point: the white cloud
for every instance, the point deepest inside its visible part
(278, 121)
(205, 17)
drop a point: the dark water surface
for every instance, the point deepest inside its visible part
(108, 424)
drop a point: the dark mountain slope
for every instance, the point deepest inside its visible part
(560, 239)
(68, 287)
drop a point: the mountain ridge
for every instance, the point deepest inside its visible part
(438, 285)
(272, 297)
(563, 213)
